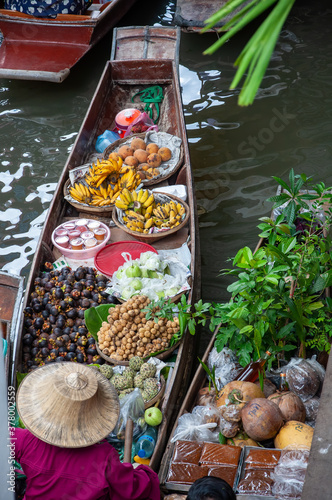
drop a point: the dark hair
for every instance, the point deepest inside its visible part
(211, 488)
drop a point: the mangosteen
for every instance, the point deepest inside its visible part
(57, 331)
(68, 290)
(70, 322)
(86, 293)
(60, 322)
(47, 328)
(85, 303)
(90, 284)
(82, 341)
(41, 291)
(52, 319)
(39, 323)
(37, 307)
(78, 286)
(33, 295)
(49, 360)
(32, 331)
(75, 294)
(71, 278)
(80, 273)
(34, 351)
(67, 330)
(69, 301)
(59, 359)
(101, 284)
(48, 286)
(35, 343)
(54, 311)
(93, 304)
(91, 341)
(71, 314)
(59, 342)
(75, 328)
(95, 297)
(48, 266)
(79, 322)
(104, 294)
(48, 307)
(28, 311)
(62, 351)
(89, 359)
(70, 356)
(91, 350)
(37, 281)
(73, 336)
(98, 360)
(80, 357)
(45, 314)
(43, 343)
(29, 363)
(62, 305)
(54, 352)
(58, 294)
(26, 349)
(72, 347)
(66, 338)
(82, 330)
(27, 322)
(27, 339)
(44, 352)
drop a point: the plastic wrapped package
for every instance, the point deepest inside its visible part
(226, 366)
(187, 452)
(231, 413)
(302, 378)
(226, 473)
(208, 414)
(317, 367)
(263, 474)
(284, 471)
(175, 496)
(287, 488)
(191, 427)
(255, 487)
(185, 473)
(142, 123)
(262, 458)
(311, 410)
(215, 454)
(294, 458)
(131, 406)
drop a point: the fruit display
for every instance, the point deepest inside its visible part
(149, 275)
(128, 334)
(80, 238)
(54, 327)
(142, 212)
(138, 374)
(148, 159)
(103, 182)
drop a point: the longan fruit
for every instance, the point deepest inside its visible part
(165, 153)
(125, 151)
(154, 160)
(132, 161)
(141, 155)
(137, 143)
(152, 148)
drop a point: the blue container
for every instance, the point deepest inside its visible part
(105, 139)
(146, 443)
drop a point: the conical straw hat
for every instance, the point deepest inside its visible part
(68, 405)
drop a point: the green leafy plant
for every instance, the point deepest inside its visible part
(255, 57)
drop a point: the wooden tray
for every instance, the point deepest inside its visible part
(147, 182)
(151, 238)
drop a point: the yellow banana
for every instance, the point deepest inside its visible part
(127, 195)
(144, 196)
(134, 195)
(148, 223)
(135, 215)
(148, 201)
(120, 204)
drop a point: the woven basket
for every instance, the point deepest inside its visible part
(148, 182)
(96, 211)
(151, 238)
(162, 356)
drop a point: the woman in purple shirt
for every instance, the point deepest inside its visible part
(68, 409)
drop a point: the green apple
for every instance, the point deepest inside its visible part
(153, 416)
(145, 273)
(161, 294)
(133, 271)
(119, 274)
(126, 293)
(171, 291)
(136, 284)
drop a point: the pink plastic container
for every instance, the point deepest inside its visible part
(86, 253)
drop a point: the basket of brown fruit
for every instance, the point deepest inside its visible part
(154, 155)
(128, 333)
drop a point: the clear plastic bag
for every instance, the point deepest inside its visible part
(317, 367)
(311, 410)
(302, 378)
(287, 488)
(141, 124)
(191, 427)
(226, 366)
(131, 406)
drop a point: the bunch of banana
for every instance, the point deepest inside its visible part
(129, 180)
(125, 199)
(102, 170)
(80, 193)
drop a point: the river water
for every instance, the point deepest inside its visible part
(234, 151)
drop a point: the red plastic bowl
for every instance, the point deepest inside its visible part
(109, 259)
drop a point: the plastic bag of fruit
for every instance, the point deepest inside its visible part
(141, 124)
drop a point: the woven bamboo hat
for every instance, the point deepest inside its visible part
(68, 405)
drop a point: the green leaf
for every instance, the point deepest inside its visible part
(94, 316)
(20, 377)
(247, 329)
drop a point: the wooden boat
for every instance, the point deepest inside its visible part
(122, 79)
(11, 293)
(45, 48)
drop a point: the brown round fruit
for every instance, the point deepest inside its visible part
(143, 166)
(154, 160)
(290, 405)
(137, 143)
(114, 156)
(152, 148)
(131, 161)
(165, 153)
(141, 155)
(141, 173)
(261, 419)
(125, 151)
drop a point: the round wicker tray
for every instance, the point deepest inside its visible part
(151, 238)
(148, 182)
(162, 356)
(106, 211)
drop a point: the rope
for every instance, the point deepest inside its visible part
(151, 95)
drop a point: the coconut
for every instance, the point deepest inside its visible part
(294, 435)
(261, 419)
(238, 392)
(290, 405)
